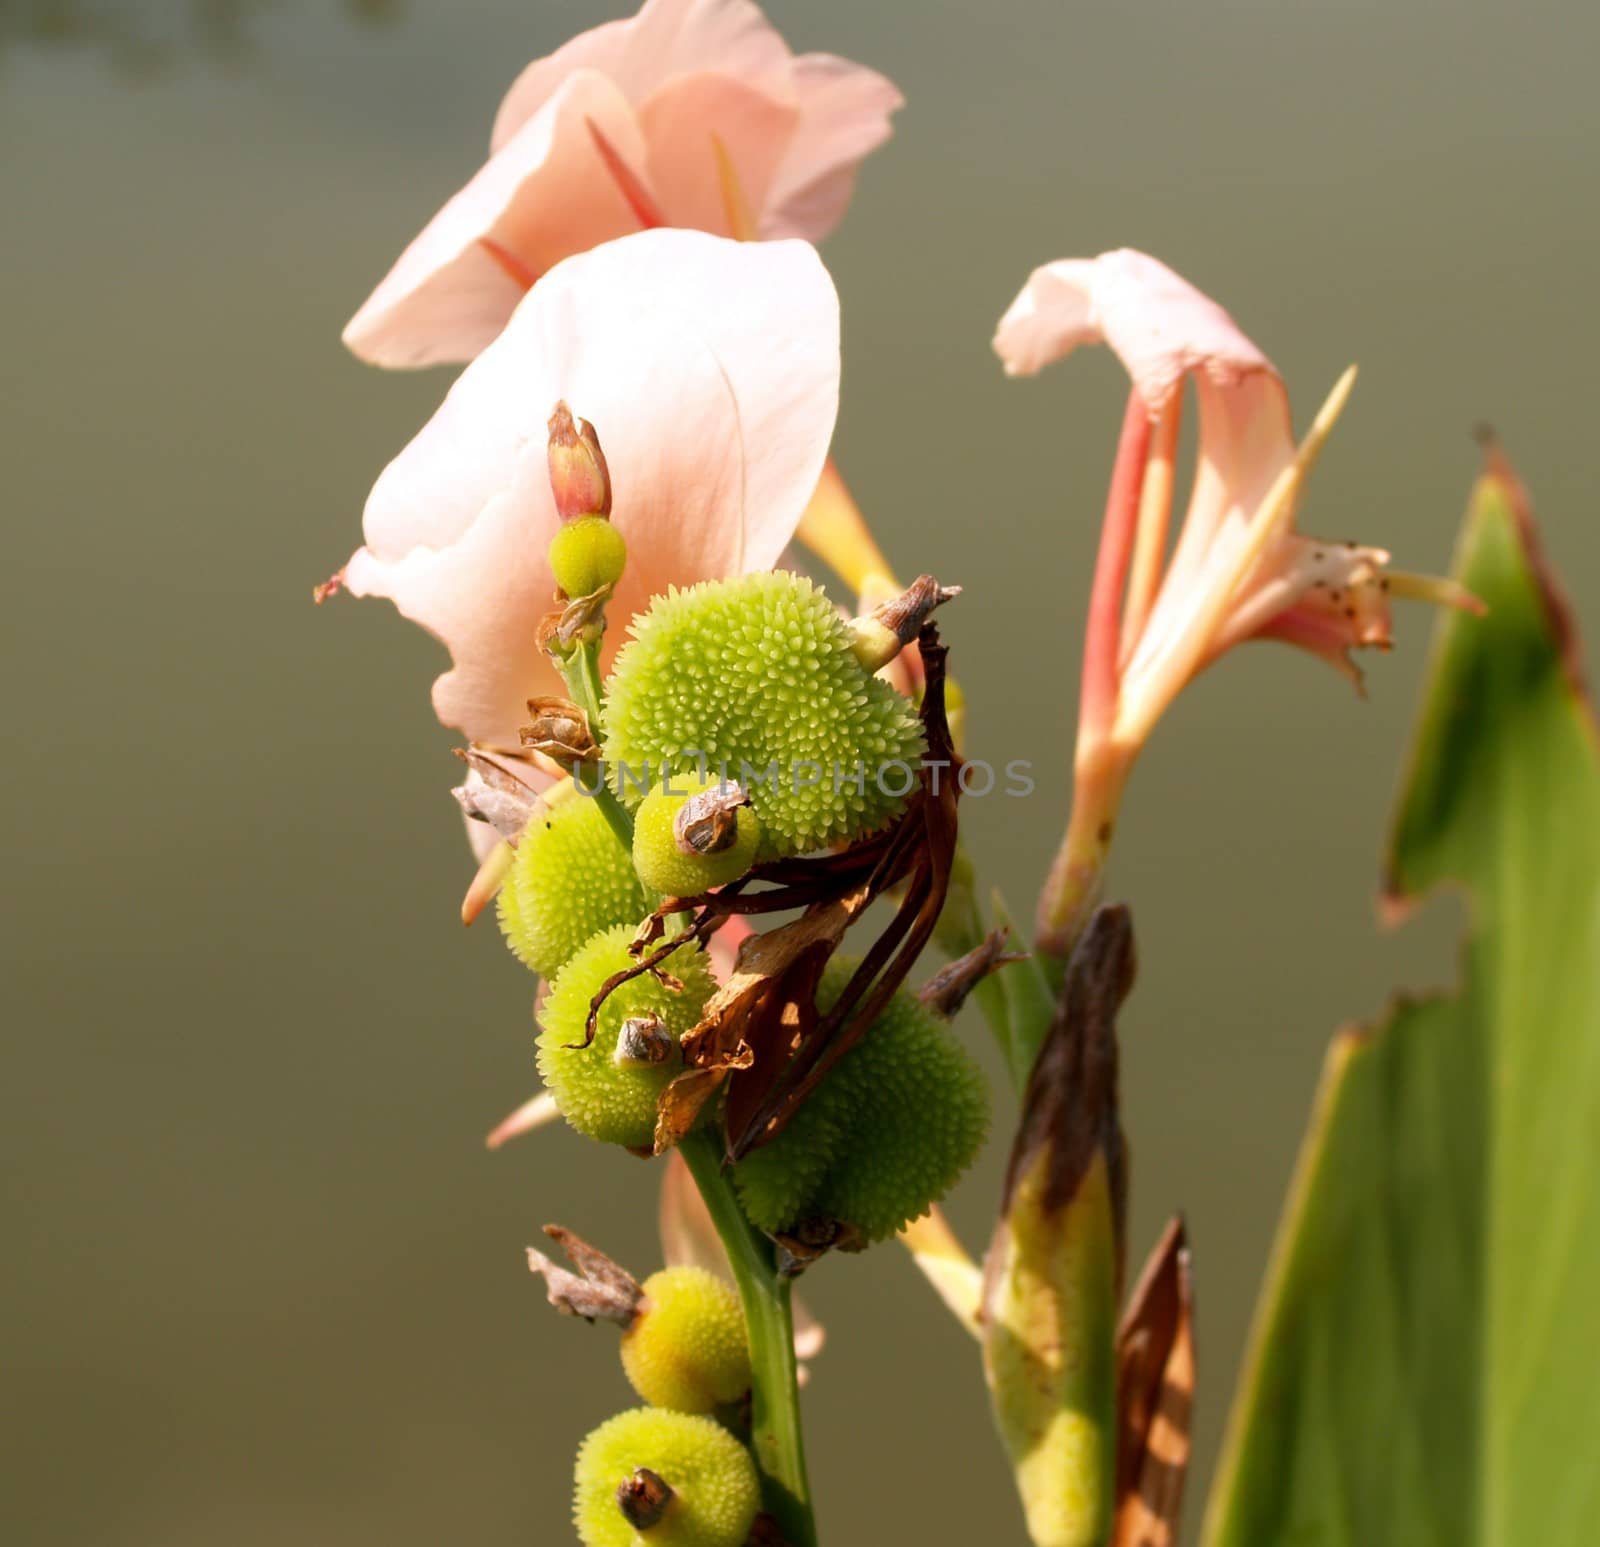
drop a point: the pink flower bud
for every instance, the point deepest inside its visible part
(578, 476)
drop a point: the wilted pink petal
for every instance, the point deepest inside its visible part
(1161, 327)
(710, 370)
(1238, 570)
(641, 109)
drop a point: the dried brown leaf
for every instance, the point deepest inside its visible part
(1155, 1396)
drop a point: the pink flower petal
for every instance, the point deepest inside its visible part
(659, 89)
(666, 39)
(710, 370)
(845, 110)
(679, 122)
(545, 195)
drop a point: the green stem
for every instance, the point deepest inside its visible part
(581, 672)
(775, 1396)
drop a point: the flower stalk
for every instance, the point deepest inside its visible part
(764, 1292)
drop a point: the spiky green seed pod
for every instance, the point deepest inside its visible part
(883, 1137)
(715, 1490)
(606, 1097)
(686, 1349)
(758, 674)
(659, 854)
(570, 878)
(587, 554)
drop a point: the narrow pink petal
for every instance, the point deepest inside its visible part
(535, 1112)
(666, 39)
(679, 122)
(542, 197)
(1102, 642)
(710, 370)
(845, 110)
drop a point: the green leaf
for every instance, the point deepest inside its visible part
(1425, 1365)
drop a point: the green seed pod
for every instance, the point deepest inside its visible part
(701, 1487)
(587, 554)
(569, 879)
(682, 849)
(686, 1349)
(608, 1089)
(883, 1137)
(758, 674)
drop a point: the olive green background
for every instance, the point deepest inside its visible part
(262, 1283)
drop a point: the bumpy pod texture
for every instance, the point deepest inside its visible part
(883, 1137)
(757, 672)
(716, 1492)
(687, 1349)
(599, 1098)
(571, 878)
(587, 554)
(664, 867)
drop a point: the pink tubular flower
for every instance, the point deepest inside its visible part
(709, 368)
(692, 113)
(1238, 570)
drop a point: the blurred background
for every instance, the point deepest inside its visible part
(263, 1283)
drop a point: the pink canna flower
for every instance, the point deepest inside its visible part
(709, 368)
(692, 113)
(1238, 569)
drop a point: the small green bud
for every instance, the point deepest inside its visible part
(695, 835)
(605, 1098)
(586, 555)
(700, 1487)
(686, 1348)
(885, 1135)
(570, 878)
(758, 675)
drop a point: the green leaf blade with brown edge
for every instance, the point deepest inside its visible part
(1425, 1366)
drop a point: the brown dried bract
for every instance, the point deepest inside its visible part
(561, 631)
(947, 990)
(495, 793)
(1155, 1396)
(904, 615)
(1070, 1105)
(560, 729)
(600, 1290)
(708, 823)
(643, 1497)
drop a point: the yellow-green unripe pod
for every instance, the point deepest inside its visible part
(691, 834)
(885, 1135)
(570, 878)
(758, 675)
(687, 1348)
(704, 1490)
(586, 555)
(608, 1090)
